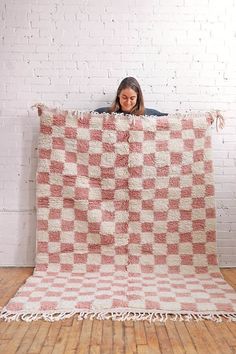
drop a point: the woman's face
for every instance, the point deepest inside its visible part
(128, 99)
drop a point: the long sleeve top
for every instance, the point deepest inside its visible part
(147, 111)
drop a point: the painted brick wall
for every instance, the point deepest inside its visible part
(73, 54)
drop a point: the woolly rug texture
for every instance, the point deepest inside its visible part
(125, 221)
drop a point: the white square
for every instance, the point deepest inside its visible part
(135, 205)
(95, 194)
(54, 225)
(94, 172)
(96, 122)
(96, 147)
(109, 136)
(121, 194)
(68, 192)
(176, 145)
(160, 227)
(149, 147)
(198, 191)
(185, 204)
(162, 158)
(68, 214)
(94, 215)
(187, 158)
(198, 214)
(149, 171)
(135, 184)
(172, 238)
(44, 165)
(122, 148)
(108, 183)
(185, 226)
(173, 215)
(108, 159)
(188, 134)
(148, 194)
(136, 136)
(58, 155)
(81, 226)
(55, 178)
(146, 216)
(135, 159)
(70, 169)
(185, 248)
(83, 158)
(107, 227)
(160, 204)
(67, 237)
(173, 260)
(58, 131)
(186, 181)
(134, 227)
(45, 142)
(121, 216)
(94, 258)
(174, 193)
(70, 145)
(121, 172)
(84, 134)
(122, 123)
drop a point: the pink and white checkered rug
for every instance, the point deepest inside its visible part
(125, 221)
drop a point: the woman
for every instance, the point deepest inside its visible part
(129, 100)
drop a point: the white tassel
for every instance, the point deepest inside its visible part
(118, 316)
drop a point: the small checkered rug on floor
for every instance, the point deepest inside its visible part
(125, 221)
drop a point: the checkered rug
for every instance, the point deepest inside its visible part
(125, 221)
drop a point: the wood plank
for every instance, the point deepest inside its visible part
(74, 336)
(174, 337)
(40, 337)
(28, 337)
(202, 338)
(3, 327)
(84, 341)
(46, 350)
(163, 338)
(10, 330)
(12, 344)
(215, 331)
(140, 334)
(60, 345)
(107, 337)
(152, 340)
(96, 335)
(94, 349)
(130, 341)
(143, 349)
(185, 338)
(232, 327)
(227, 334)
(52, 334)
(118, 337)
(229, 275)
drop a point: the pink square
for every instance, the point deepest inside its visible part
(70, 133)
(58, 143)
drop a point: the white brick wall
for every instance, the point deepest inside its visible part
(73, 54)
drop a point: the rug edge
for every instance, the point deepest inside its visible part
(118, 315)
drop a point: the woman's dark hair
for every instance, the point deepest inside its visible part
(129, 82)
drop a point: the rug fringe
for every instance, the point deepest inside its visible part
(118, 316)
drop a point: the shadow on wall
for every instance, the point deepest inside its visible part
(26, 219)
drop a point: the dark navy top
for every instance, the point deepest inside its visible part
(147, 111)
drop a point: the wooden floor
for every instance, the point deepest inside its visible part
(93, 337)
